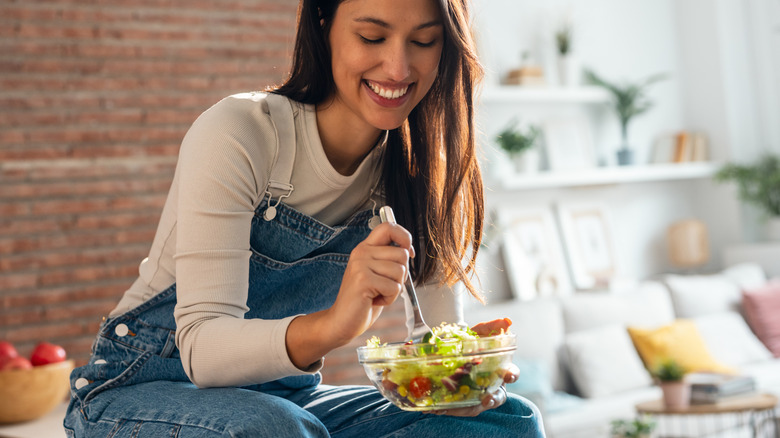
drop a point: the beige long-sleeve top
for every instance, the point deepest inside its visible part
(202, 240)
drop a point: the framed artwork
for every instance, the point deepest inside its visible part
(532, 252)
(588, 243)
(569, 144)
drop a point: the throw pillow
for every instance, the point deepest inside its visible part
(697, 295)
(762, 307)
(680, 341)
(603, 362)
(534, 381)
(729, 339)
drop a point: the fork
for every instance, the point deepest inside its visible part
(420, 327)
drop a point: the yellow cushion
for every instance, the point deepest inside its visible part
(680, 341)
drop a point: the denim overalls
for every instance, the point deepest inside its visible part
(135, 385)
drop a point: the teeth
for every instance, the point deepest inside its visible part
(388, 94)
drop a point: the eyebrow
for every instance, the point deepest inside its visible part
(387, 25)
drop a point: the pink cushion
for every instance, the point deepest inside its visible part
(762, 311)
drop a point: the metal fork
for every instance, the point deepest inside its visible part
(420, 327)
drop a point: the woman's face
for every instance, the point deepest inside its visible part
(385, 57)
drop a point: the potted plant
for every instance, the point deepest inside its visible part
(759, 185)
(641, 427)
(670, 377)
(520, 145)
(568, 64)
(630, 101)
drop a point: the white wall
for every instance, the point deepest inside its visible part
(709, 48)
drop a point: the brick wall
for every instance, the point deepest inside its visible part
(95, 97)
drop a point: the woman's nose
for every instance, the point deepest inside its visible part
(397, 64)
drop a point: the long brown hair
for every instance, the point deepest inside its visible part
(431, 174)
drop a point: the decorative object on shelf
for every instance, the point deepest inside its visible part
(569, 144)
(569, 66)
(521, 145)
(588, 245)
(629, 101)
(688, 243)
(528, 74)
(532, 252)
(681, 147)
(759, 185)
(671, 378)
(639, 427)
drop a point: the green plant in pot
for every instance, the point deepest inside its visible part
(640, 427)
(670, 376)
(630, 100)
(569, 70)
(521, 145)
(759, 185)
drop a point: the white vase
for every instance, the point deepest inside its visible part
(569, 71)
(527, 161)
(772, 228)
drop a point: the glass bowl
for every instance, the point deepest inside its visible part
(446, 375)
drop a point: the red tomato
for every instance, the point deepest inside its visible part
(46, 353)
(7, 352)
(17, 363)
(420, 386)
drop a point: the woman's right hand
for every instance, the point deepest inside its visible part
(374, 277)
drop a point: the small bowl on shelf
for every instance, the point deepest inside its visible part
(446, 375)
(32, 393)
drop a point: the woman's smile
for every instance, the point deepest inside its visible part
(388, 95)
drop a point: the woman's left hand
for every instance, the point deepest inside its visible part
(489, 401)
(511, 374)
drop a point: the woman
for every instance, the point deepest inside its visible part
(268, 254)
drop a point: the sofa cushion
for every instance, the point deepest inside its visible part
(603, 362)
(746, 275)
(680, 341)
(538, 326)
(697, 295)
(729, 339)
(762, 307)
(647, 305)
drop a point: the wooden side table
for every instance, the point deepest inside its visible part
(703, 420)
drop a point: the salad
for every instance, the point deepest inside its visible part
(451, 367)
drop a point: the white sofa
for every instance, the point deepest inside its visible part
(579, 345)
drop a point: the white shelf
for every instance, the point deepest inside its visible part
(513, 94)
(607, 175)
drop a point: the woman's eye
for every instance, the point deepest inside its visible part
(421, 44)
(370, 41)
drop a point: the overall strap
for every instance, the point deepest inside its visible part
(281, 173)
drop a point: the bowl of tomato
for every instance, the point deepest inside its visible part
(452, 368)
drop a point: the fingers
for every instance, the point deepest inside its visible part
(489, 401)
(492, 328)
(391, 234)
(511, 373)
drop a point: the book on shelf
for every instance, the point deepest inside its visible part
(712, 387)
(681, 147)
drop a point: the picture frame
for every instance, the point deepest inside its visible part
(588, 245)
(532, 251)
(569, 144)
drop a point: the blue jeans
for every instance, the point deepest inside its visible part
(322, 411)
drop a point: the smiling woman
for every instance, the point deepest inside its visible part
(267, 256)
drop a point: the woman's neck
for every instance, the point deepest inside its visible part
(345, 138)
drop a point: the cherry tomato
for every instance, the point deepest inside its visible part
(420, 386)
